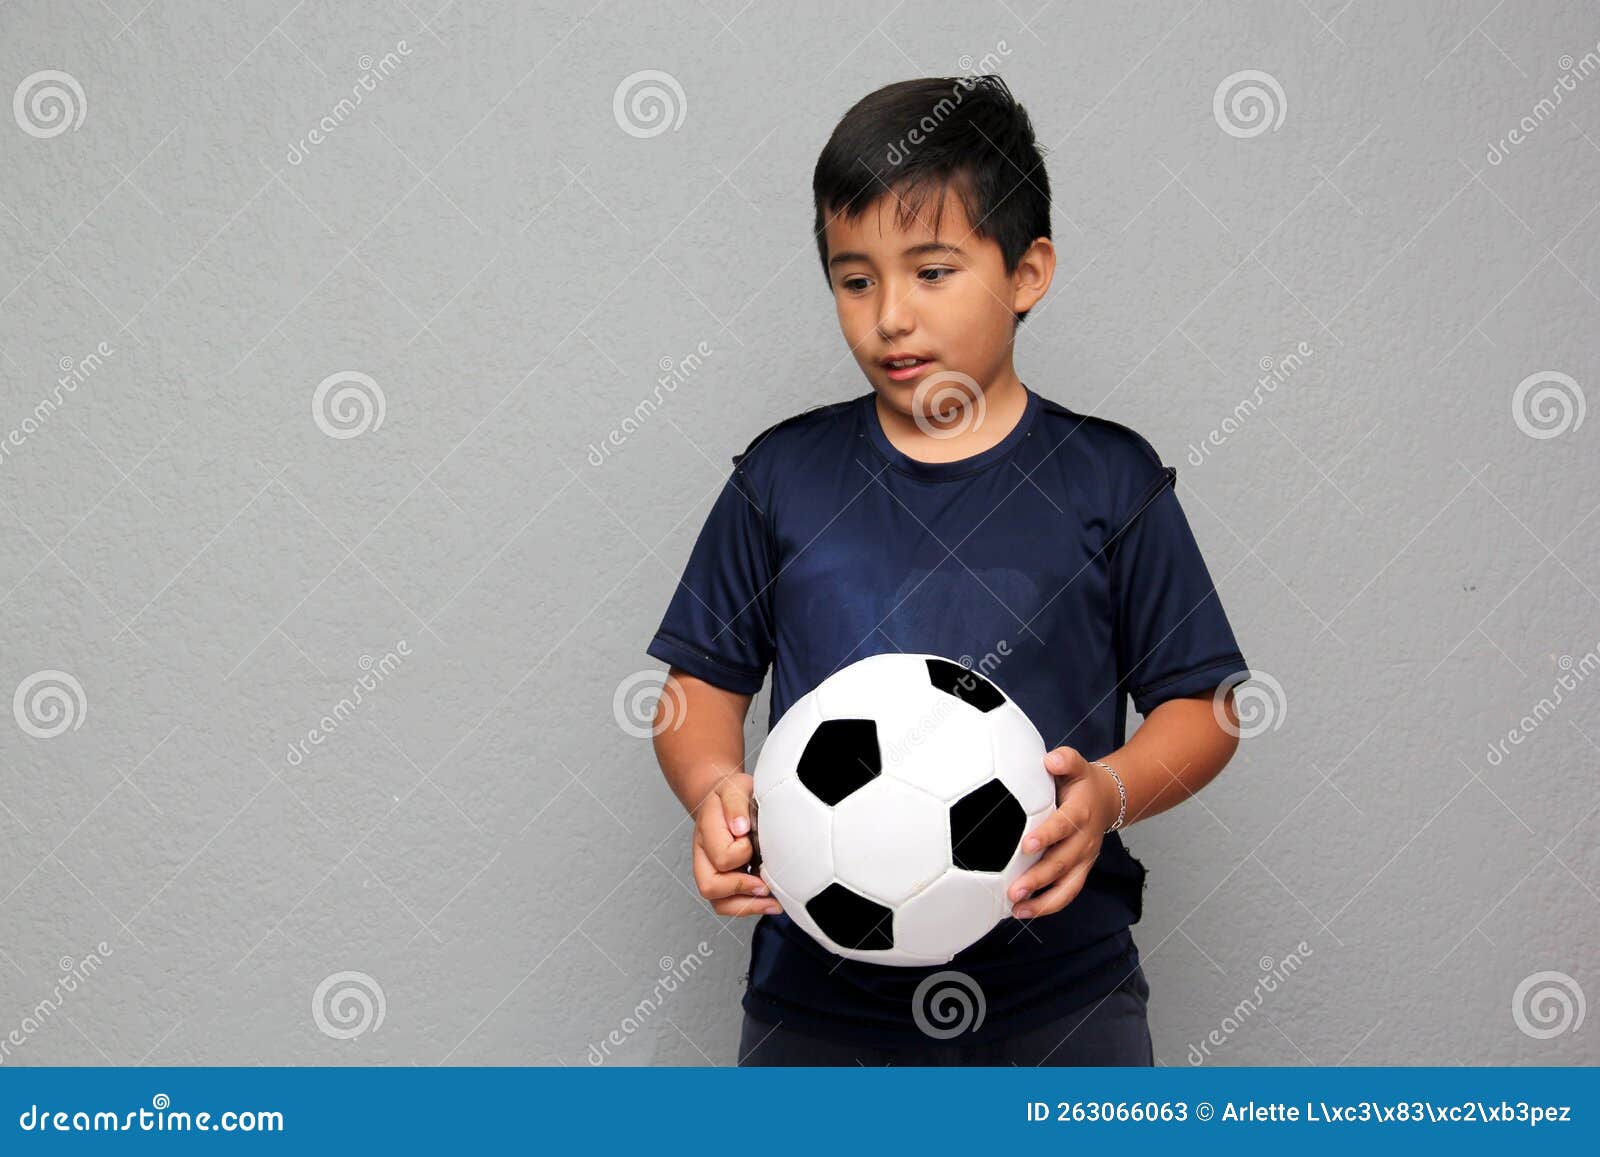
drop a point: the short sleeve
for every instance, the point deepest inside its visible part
(719, 625)
(1172, 635)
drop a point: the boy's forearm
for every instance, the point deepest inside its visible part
(1180, 747)
(699, 737)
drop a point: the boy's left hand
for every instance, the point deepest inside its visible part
(1086, 805)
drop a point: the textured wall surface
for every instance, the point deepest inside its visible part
(339, 495)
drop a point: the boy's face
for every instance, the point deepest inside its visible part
(944, 296)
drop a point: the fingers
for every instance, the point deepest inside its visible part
(725, 852)
(1057, 896)
(746, 906)
(735, 796)
(1069, 819)
(1060, 860)
(732, 893)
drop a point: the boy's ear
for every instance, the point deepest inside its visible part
(1036, 268)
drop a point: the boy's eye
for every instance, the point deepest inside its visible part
(936, 269)
(854, 283)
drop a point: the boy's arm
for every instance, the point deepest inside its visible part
(1180, 747)
(699, 736)
(699, 742)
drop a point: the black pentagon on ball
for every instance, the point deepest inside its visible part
(841, 757)
(851, 920)
(965, 684)
(985, 827)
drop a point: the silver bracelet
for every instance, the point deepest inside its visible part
(1122, 796)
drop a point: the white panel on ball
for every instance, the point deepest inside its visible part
(796, 834)
(960, 907)
(890, 841)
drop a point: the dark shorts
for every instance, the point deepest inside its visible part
(1113, 1031)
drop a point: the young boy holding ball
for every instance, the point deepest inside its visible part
(951, 510)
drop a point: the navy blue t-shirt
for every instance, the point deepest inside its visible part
(1062, 548)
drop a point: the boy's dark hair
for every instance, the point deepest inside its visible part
(920, 138)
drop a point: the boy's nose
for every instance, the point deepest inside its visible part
(894, 317)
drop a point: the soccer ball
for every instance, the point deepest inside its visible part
(891, 802)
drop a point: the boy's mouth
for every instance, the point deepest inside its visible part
(904, 367)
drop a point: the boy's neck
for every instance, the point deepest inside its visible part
(998, 413)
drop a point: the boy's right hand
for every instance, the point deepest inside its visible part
(722, 849)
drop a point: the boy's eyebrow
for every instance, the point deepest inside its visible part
(912, 251)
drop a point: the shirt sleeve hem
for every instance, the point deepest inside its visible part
(719, 672)
(1191, 681)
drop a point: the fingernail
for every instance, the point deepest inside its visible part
(1023, 913)
(1030, 844)
(740, 826)
(759, 890)
(772, 909)
(1018, 893)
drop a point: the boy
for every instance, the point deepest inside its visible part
(951, 511)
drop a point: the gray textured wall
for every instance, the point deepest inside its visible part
(201, 555)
